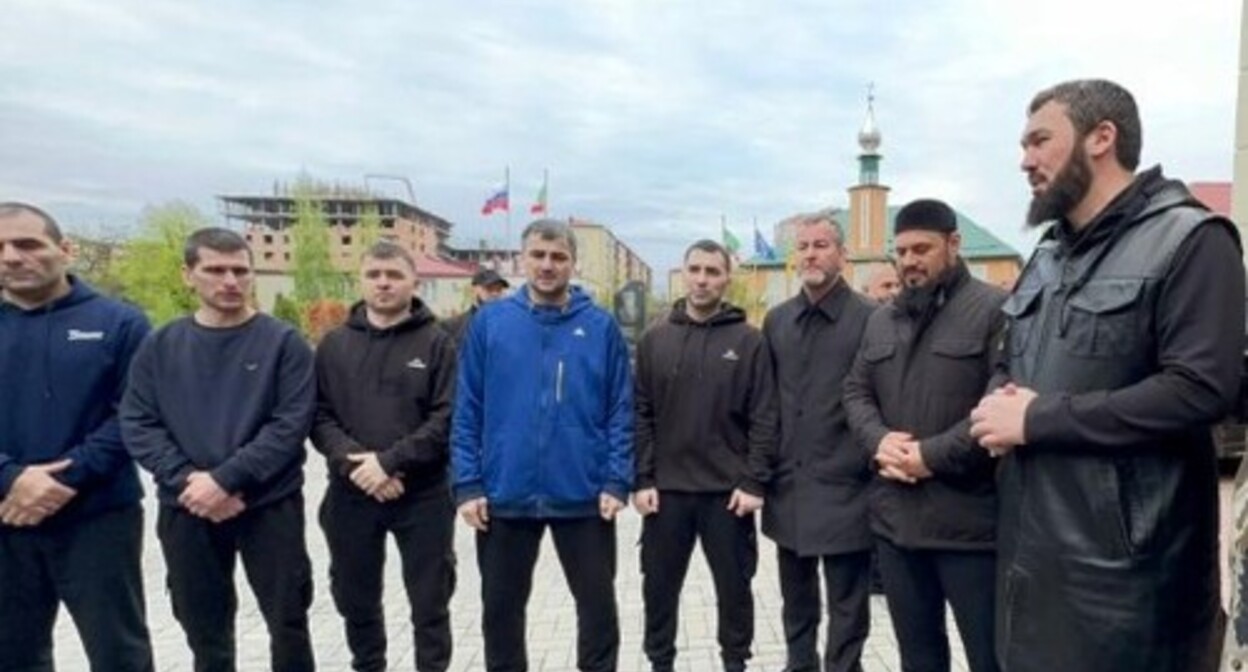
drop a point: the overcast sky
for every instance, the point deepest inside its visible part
(653, 116)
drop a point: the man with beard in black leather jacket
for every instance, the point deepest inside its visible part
(1123, 349)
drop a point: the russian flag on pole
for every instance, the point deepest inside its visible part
(498, 201)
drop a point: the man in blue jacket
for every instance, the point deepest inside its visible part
(542, 437)
(218, 407)
(71, 526)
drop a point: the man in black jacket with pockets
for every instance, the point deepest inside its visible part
(924, 362)
(385, 384)
(706, 433)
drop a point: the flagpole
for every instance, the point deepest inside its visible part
(507, 190)
(546, 190)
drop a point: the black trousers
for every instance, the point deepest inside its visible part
(423, 526)
(200, 557)
(506, 555)
(917, 583)
(847, 579)
(730, 545)
(93, 566)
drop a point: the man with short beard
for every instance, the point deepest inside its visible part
(542, 438)
(925, 361)
(706, 432)
(817, 501)
(385, 385)
(1124, 346)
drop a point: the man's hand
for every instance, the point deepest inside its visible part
(891, 455)
(368, 474)
(742, 503)
(391, 490)
(912, 463)
(608, 506)
(230, 508)
(36, 495)
(999, 422)
(646, 501)
(476, 512)
(202, 495)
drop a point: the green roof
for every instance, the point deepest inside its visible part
(977, 242)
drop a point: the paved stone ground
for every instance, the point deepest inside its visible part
(552, 621)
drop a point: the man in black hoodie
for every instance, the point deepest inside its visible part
(924, 362)
(385, 386)
(1124, 343)
(706, 436)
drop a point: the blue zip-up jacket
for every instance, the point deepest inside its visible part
(63, 367)
(543, 420)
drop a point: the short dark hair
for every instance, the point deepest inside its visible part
(388, 249)
(213, 238)
(50, 227)
(1091, 101)
(711, 247)
(550, 229)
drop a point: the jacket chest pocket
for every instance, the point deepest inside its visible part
(1103, 319)
(1020, 308)
(958, 366)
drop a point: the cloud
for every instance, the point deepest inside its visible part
(656, 118)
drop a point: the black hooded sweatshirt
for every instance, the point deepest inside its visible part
(387, 391)
(706, 405)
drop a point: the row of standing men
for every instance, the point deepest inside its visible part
(1053, 443)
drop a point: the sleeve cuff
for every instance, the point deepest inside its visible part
(232, 480)
(752, 486)
(74, 476)
(8, 474)
(467, 492)
(1041, 425)
(617, 490)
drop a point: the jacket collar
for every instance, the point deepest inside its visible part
(830, 306)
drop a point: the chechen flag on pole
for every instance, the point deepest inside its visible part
(498, 201)
(539, 205)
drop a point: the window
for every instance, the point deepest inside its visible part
(346, 240)
(268, 239)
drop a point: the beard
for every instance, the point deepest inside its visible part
(1066, 190)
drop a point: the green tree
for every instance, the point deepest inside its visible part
(368, 230)
(311, 266)
(148, 268)
(286, 310)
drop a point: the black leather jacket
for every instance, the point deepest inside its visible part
(1108, 534)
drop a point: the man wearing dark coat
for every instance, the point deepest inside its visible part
(925, 361)
(1123, 349)
(817, 501)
